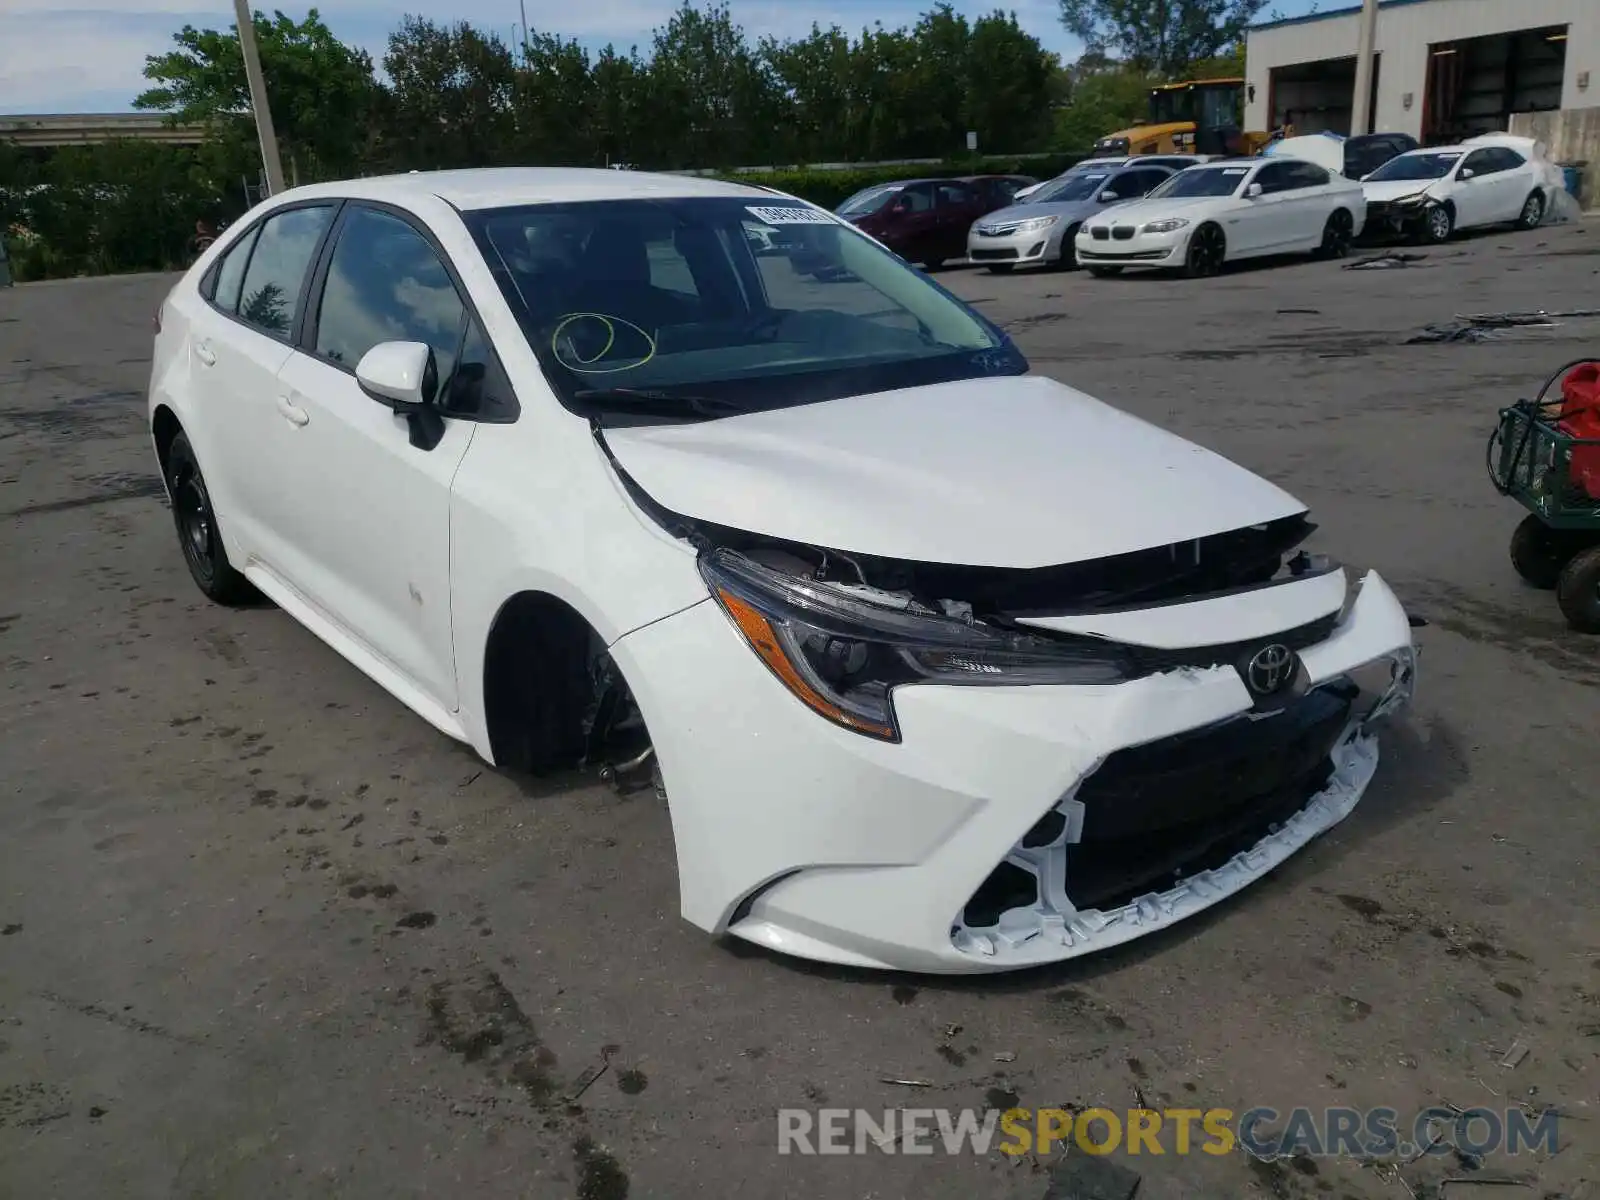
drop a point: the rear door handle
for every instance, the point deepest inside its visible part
(203, 352)
(292, 412)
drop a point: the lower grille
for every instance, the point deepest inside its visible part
(977, 255)
(1153, 814)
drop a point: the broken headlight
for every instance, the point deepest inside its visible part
(841, 650)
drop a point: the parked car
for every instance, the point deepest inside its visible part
(1232, 209)
(1352, 157)
(555, 458)
(1043, 228)
(1173, 162)
(922, 220)
(1430, 193)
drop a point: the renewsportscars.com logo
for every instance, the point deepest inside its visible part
(1263, 1132)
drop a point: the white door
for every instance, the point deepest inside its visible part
(1512, 182)
(1308, 205)
(1266, 224)
(1475, 194)
(364, 504)
(240, 341)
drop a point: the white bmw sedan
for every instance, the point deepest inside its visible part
(1209, 215)
(564, 464)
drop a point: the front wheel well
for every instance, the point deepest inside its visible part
(539, 683)
(164, 427)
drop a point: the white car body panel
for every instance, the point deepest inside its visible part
(790, 830)
(920, 474)
(1275, 223)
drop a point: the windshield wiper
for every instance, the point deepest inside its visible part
(654, 402)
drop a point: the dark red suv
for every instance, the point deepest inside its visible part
(926, 220)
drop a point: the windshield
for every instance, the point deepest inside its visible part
(868, 199)
(1070, 187)
(1417, 166)
(673, 308)
(1202, 181)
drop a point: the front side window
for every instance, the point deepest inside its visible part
(830, 314)
(1203, 181)
(270, 295)
(386, 284)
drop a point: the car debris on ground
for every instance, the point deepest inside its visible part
(1384, 262)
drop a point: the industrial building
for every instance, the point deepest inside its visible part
(1442, 70)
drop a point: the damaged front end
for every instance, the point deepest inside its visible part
(1155, 829)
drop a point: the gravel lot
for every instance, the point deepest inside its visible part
(266, 933)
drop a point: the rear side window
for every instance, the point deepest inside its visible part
(270, 298)
(1506, 159)
(1305, 174)
(955, 194)
(230, 272)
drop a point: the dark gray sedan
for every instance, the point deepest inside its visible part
(1041, 230)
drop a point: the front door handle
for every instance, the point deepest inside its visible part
(292, 412)
(203, 352)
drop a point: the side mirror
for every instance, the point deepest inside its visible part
(1107, 196)
(1251, 192)
(404, 377)
(1466, 173)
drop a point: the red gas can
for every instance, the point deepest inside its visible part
(1580, 418)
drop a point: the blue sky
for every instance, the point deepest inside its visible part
(56, 56)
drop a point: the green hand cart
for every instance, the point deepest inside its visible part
(1545, 453)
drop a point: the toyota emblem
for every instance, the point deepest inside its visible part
(1270, 669)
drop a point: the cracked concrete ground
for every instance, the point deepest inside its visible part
(266, 933)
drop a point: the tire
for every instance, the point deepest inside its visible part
(199, 537)
(1337, 235)
(1000, 268)
(1438, 224)
(1578, 591)
(1532, 211)
(1208, 250)
(1069, 251)
(1540, 553)
(1104, 272)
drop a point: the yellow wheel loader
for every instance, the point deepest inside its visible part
(1198, 116)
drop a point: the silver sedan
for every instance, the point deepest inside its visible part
(1041, 230)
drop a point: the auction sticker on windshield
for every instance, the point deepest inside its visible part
(789, 216)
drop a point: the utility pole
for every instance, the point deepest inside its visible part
(523, 8)
(1361, 105)
(258, 97)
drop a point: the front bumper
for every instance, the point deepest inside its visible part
(801, 836)
(1019, 247)
(1138, 250)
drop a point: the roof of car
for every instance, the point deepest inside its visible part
(495, 187)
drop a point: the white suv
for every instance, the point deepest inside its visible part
(946, 666)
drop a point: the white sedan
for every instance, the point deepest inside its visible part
(562, 463)
(1431, 193)
(1227, 210)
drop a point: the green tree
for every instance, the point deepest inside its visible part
(320, 91)
(452, 97)
(1104, 99)
(1162, 37)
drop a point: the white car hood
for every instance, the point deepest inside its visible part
(994, 472)
(1395, 189)
(1139, 211)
